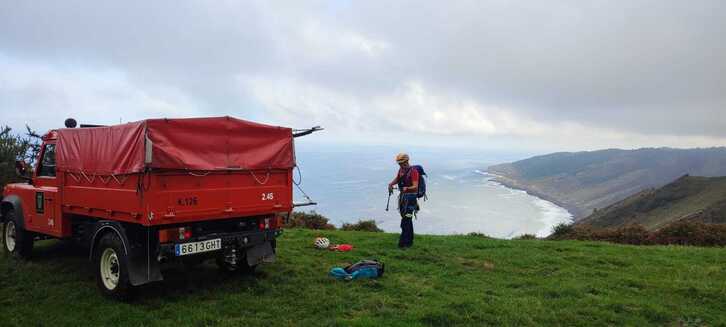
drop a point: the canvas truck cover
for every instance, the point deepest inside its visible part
(218, 143)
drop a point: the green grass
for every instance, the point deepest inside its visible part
(441, 281)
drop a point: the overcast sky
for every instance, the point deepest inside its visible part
(542, 75)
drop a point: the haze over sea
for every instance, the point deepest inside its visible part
(349, 183)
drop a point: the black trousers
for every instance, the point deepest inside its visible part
(406, 238)
(407, 206)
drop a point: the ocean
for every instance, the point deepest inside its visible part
(350, 183)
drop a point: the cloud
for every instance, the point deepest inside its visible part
(413, 109)
(560, 74)
(43, 96)
(329, 43)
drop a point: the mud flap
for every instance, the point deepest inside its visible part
(143, 267)
(142, 262)
(261, 253)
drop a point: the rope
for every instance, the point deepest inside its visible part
(90, 180)
(78, 179)
(303, 193)
(267, 179)
(297, 184)
(105, 182)
(299, 176)
(122, 181)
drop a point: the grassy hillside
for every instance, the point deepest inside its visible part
(583, 181)
(442, 281)
(689, 197)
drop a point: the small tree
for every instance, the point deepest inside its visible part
(362, 225)
(309, 220)
(562, 231)
(16, 147)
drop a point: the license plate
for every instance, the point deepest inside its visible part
(198, 247)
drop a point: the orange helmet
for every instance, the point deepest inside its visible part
(401, 157)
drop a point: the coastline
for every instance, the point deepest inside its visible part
(576, 213)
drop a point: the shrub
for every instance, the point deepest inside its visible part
(629, 234)
(691, 233)
(16, 147)
(309, 220)
(477, 234)
(526, 237)
(682, 233)
(679, 233)
(715, 235)
(562, 231)
(362, 225)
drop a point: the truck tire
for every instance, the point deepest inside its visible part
(16, 240)
(111, 266)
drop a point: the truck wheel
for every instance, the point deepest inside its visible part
(111, 265)
(16, 241)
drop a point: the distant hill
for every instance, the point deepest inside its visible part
(583, 181)
(700, 199)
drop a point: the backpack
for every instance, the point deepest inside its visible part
(360, 269)
(421, 182)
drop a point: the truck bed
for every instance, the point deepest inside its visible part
(171, 197)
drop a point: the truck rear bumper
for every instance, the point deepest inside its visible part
(239, 241)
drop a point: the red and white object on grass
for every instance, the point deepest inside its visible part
(341, 247)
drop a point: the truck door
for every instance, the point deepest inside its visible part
(46, 209)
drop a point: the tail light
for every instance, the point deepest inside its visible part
(175, 234)
(185, 233)
(272, 222)
(267, 223)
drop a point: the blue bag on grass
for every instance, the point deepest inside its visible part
(340, 273)
(360, 269)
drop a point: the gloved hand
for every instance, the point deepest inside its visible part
(390, 189)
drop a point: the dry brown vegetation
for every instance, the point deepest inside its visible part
(678, 233)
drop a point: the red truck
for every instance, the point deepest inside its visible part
(144, 194)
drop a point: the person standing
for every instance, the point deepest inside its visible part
(407, 180)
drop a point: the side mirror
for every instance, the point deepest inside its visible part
(21, 169)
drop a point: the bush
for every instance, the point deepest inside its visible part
(678, 233)
(691, 233)
(633, 234)
(362, 225)
(477, 234)
(309, 220)
(562, 231)
(526, 237)
(16, 147)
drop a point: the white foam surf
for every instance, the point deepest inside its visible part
(552, 215)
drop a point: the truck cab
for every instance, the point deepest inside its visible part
(38, 196)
